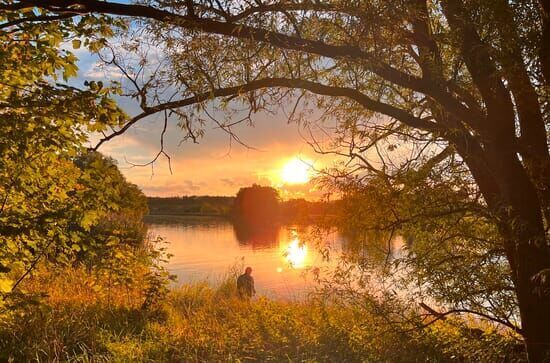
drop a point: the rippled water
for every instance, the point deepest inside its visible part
(283, 259)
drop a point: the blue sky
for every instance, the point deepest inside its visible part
(214, 166)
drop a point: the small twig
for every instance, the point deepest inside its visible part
(161, 151)
(32, 266)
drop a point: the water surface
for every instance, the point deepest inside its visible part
(284, 259)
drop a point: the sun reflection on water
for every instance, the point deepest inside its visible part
(296, 252)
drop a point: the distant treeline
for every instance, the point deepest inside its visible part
(254, 202)
(191, 205)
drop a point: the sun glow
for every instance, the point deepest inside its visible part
(296, 171)
(296, 253)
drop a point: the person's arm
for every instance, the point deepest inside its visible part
(252, 282)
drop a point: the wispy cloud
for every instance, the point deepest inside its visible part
(216, 165)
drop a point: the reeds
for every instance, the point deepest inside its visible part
(201, 323)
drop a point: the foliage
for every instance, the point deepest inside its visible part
(291, 211)
(119, 207)
(75, 304)
(447, 240)
(204, 205)
(257, 206)
(60, 203)
(201, 323)
(411, 84)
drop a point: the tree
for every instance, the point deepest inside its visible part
(257, 206)
(453, 255)
(460, 80)
(48, 203)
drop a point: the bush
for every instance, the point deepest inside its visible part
(197, 322)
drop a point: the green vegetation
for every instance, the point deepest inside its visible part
(200, 323)
(190, 205)
(56, 197)
(459, 88)
(281, 211)
(428, 212)
(259, 206)
(438, 108)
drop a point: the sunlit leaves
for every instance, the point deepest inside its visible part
(50, 198)
(448, 239)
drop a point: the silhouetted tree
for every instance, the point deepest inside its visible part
(257, 206)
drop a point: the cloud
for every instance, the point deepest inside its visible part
(190, 185)
(100, 71)
(228, 182)
(216, 165)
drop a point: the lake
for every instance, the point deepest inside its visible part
(283, 258)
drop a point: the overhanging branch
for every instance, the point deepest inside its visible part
(283, 41)
(399, 114)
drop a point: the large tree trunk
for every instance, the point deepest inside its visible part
(513, 199)
(519, 211)
(534, 306)
(528, 256)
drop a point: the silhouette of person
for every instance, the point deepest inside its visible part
(245, 284)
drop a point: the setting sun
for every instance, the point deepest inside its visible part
(296, 171)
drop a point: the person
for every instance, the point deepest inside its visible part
(245, 284)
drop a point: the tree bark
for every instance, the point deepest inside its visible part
(544, 51)
(527, 260)
(509, 190)
(534, 307)
(518, 209)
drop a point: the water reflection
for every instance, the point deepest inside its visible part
(280, 256)
(295, 252)
(257, 236)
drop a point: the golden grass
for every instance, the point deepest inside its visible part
(81, 321)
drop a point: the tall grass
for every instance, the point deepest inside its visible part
(77, 322)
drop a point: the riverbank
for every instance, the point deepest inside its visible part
(81, 321)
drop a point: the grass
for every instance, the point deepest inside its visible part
(79, 322)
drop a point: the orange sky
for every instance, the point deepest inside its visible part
(212, 167)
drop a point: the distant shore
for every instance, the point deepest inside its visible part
(177, 217)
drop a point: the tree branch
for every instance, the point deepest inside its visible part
(317, 88)
(40, 18)
(443, 316)
(276, 39)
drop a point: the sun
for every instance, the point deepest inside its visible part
(296, 171)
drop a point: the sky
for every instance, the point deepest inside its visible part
(214, 166)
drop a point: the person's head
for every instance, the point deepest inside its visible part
(248, 270)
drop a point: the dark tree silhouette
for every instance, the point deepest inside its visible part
(257, 206)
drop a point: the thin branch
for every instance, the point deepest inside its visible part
(34, 19)
(443, 316)
(32, 266)
(161, 151)
(276, 39)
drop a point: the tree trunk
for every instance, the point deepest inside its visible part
(521, 225)
(512, 198)
(534, 306)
